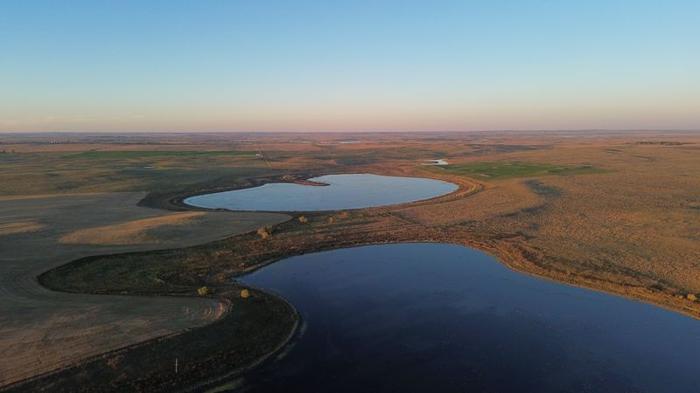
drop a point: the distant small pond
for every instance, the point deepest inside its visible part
(348, 191)
(444, 318)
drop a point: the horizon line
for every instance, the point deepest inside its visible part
(362, 132)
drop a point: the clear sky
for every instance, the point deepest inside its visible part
(355, 65)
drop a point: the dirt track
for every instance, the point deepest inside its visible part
(42, 330)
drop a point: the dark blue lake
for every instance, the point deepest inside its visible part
(350, 191)
(445, 318)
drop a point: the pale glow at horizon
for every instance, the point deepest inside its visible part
(349, 66)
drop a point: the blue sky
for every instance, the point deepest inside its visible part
(348, 65)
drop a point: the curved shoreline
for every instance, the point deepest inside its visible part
(280, 348)
(511, 257)
(521, 264)
(327, 193)
(415, 303)
(687, 311)
(79, 377)
(177, 202)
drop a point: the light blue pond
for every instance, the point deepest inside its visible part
(350, 191)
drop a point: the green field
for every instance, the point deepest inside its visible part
(100, 171)
(132, 154)
(507, 169)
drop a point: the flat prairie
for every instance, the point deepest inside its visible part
(613, 211)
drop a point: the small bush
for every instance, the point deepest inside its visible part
(203, 291)
(264, 233)
(692, 297)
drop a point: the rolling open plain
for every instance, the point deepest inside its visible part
(616, 212)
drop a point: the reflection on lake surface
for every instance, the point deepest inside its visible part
(351, 191)
(444, 318)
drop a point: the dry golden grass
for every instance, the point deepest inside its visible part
(131, 232)
(8, 198)
(633, 229)
(9, 228)
(494, 200)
